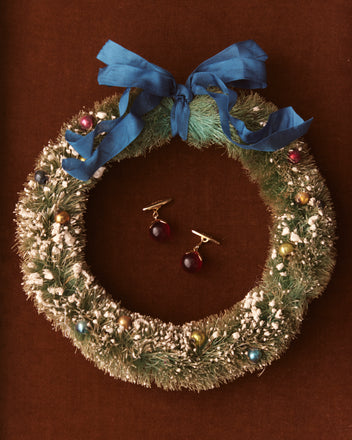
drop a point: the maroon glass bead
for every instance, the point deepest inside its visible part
(160, 230)
(294, 156)
(86, 122)
(192, 261)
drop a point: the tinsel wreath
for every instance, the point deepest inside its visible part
(197, 355)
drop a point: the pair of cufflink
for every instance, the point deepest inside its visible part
(160, 231)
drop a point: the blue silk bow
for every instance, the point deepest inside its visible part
(240, 65)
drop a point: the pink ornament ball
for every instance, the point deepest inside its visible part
(86, 122)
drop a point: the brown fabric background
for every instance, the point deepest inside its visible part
(49, 73)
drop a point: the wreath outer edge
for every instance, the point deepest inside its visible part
(246, 337)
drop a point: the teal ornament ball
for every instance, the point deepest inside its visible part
(255, 355)
(81, 327)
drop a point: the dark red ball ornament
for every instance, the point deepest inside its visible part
(192, 261)
(294, 156)
(86, 122)
(160, 230)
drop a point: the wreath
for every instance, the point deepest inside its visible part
(197, 355)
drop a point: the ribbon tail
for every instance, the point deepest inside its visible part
(282, 128)
(179, 118)
(144, 103)
(124, 133)
(82, 144)
(119, 138)
(124, 100)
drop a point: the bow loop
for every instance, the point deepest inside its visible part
(239, 65)
(127, 69)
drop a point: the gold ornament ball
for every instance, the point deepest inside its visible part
(198, 338)
(302, 198)
(125, 322)
(62, 217)
(285, 249)
(82, 159)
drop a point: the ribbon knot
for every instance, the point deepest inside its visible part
(180, 111)
(183, 94)
(239, 65)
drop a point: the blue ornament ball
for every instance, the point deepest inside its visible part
(81, 327)
(255, 355)
(40, 177)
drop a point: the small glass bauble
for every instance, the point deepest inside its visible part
(125, 322)
(86, 122)
(62, 217)
(294, 156)
(198, 338)
(302, 198)
(285, 249)
(82, 327)
(40, 177)
(254, 355)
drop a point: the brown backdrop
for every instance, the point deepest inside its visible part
(49, 73)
